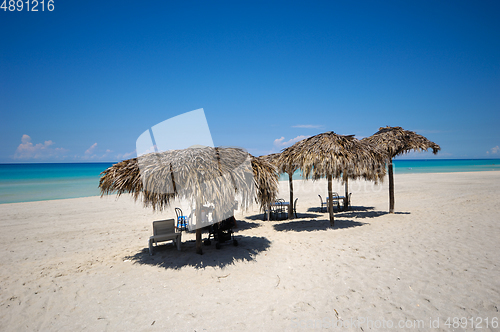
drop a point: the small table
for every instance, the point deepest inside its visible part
(287, 204)
(338, 198)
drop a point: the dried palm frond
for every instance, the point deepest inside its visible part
(397, 141)
(266, 181)
(336, 155)
(204, 174)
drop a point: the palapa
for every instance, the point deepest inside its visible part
(201, 175)
(334, 156)
(397, 141)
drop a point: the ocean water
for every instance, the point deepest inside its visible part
(38, 182)
(445, 165)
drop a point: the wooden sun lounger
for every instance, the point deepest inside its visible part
(164, 230)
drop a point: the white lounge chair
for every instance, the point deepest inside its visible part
(164, 230)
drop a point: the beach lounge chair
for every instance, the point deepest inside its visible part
(164, 230)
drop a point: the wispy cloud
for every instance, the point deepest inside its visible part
(27, 150)
(281, 143)
(95, 153)
(91, 149)
(494, 150)
(308, 126)
(126, 155)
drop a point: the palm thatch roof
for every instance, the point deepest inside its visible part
(332, 154)
(397, 141)
(270, 158)
(205, 174)
(266, 181)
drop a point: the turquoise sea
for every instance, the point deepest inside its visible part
(38, 182)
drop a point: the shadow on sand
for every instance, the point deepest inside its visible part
(261, 216)
(356, 212)
(167, 256)
(244, 224)
(343, 219)
(361, 212)
(315, 225)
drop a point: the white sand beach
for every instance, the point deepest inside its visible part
(83, 264)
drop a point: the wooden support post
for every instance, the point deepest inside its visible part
(391, 187)
(346, 189)
(290, 207)
(330, 199)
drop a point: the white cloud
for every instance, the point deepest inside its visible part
(281, 143)
(124, 156)
(94, 153)
(308, 126)
(28, 150)
(494, 150)
(91, 149)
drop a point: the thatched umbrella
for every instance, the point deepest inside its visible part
(331, 155)
(397, 141)
(202, 175)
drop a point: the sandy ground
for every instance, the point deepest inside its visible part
(83, 265)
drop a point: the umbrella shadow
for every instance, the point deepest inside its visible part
(308, 215)
(168, 257)
(320, 210)
(316, 209)
(315, 225)
(259, 216)
(362, 212)
(262, 217)
(244, 225)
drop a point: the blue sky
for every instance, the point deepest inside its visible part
(82, 83)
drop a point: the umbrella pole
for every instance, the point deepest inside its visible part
(391, 187)
(290, 207)
(330, 199)
(346, 195)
